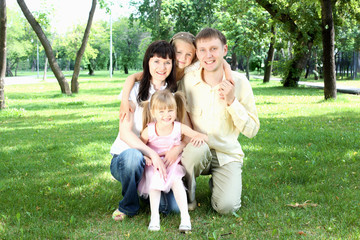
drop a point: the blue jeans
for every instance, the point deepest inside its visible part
(128, 168)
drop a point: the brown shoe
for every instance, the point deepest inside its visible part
(192, 205)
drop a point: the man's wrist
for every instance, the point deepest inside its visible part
(231, 102)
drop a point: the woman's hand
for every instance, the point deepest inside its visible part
(172, 155)
(159, 165)
(125, 109)
(148, 161)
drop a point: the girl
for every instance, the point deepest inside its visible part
(163, 131)
(128, 150)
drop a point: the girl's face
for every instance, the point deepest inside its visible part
(160, 68)
(185, 53)
(165, 116)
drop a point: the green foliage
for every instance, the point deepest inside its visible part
(19, 46)
(126, 40)
(163, 18)
(56, 184)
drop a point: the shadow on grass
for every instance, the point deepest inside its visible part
(55, 177)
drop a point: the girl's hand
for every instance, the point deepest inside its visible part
(224, 91)
(199, 139)
(125, 109)
(148, 161)
(159, 165)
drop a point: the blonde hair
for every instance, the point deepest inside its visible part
(163, 99)
(186, 37)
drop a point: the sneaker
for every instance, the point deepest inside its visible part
(154, 225)
(185, 225)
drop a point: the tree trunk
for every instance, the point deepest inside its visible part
(45, 68)
(233, 61)
(302, 45)
(270, 57)
(307, 69)
(8, 70)
(126, 70)
(17, 66)
(91, 70)
(248, 67)
(316, 71)
(3, 20)
(80, 53)
(64, 85)
(328, 36)
(297, 65)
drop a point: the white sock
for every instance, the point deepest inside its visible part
(181, 200)
(154, 206)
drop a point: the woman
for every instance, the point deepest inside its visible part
(128, 150)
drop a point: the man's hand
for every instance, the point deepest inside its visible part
(227, 91)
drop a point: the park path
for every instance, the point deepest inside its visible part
(26, 80)
(320, 85)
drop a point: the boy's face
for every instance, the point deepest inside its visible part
(210, 52)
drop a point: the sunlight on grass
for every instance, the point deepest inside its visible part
(56, 182)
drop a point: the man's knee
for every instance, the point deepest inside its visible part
(194, 156)
(226, 205)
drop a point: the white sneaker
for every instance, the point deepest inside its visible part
(154, 225)
(185, 225)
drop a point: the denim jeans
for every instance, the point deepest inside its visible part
(128, 168)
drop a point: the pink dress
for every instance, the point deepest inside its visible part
(151, 178)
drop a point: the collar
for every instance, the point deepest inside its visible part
(152, 89)
(199, 79)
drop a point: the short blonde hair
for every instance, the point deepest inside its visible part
(163, 99)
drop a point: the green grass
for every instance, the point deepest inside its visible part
(56, 184)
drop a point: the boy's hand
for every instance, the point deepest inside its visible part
(199, 140)
(125, 109)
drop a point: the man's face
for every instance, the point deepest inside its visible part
(210, 52)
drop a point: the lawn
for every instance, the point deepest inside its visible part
(301, 174)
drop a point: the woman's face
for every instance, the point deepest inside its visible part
(185, 53)
(160, 68)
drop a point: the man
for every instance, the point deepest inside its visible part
(222, 109)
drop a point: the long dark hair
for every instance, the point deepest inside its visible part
(160, 49)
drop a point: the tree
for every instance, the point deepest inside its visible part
(19, 41)
(270, 56)
(80, 53)
(50, 53)
(246, 29)
(163, 18)
(302, 23)
(126, 42)
(3, 20)
(328, 38)
(64, 85)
